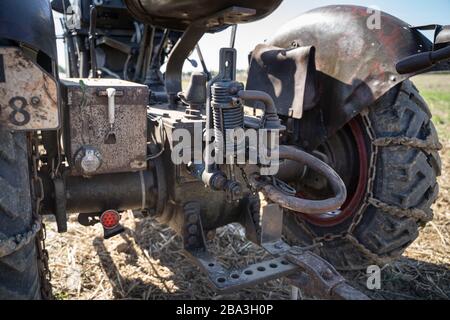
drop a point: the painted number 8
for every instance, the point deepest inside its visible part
(19, 116)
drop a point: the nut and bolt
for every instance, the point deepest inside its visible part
(193, 218)
(35, 101)
(279, 245)
(193, 229)
(327, 274)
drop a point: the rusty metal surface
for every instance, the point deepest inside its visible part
(178, 14)
(319, 279)
(356, 65)
(288, 76)
(88, 124)
(182, 185)
(315, 276)
(28, 94)
(221, 278)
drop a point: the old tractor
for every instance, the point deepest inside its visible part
(326, 155)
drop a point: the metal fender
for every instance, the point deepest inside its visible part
(29, 22)
(355, 62)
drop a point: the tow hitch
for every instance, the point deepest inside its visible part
(303, 269)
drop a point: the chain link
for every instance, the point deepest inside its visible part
(37, 193)
(247, 181)
(369, 199)
(347, 234)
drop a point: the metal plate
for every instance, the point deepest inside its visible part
(179, 14)
(28, 94)
(288, 76)
(89, 124)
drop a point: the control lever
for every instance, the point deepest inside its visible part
(92, 40)
(111, 136)
(422, 61)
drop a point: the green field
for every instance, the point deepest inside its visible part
(436, 91)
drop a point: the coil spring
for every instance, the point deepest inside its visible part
(226, 114)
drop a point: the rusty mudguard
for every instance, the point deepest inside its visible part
(354, 66)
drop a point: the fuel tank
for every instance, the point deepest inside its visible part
(178, 14)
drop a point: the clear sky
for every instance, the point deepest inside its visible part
(415, 12)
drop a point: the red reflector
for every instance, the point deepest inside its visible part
(110, 219)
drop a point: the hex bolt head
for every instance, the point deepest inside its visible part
(278, 246)
(327, 274)
(35, 101)
(193, 229)
(193, 218)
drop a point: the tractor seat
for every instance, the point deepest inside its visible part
(179, 14)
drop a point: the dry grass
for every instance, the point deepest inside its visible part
(146, 262)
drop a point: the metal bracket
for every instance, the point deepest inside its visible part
(303, 269)
(179, 54)
(222, 279)
(60, 204)
(318, 278)
(188, 42)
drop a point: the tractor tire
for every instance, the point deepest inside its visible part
(393, 207)
(19, 272)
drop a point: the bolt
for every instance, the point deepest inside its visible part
(327, 274)
(35, 101)
(193, 229)
(278, 246)
(296, 251)
(211, 235)
(193, 218)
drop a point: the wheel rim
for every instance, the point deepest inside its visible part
(355, 156)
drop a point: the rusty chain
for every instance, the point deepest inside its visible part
(348, 234)
(376, 143)
(37, 193)
(418, 214)
(253, 190)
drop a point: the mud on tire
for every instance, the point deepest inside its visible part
(19, 275)
(404, 188)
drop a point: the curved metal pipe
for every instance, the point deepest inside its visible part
(305, 206)
(254, 95)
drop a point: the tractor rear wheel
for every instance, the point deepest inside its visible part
(19, 268)
(388, 158)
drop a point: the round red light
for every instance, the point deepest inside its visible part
(110, 219)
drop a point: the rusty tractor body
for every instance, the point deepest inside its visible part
(104, 139)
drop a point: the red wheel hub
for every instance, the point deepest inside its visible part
(354, 200)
